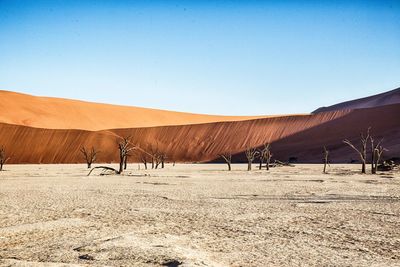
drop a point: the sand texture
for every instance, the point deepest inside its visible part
(52, 130)
(59, 113)
(383, 99)
(199, 215)
(301, 137)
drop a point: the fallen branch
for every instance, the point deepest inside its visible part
(281, 163)
(104, 168)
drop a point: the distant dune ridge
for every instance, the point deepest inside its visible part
(58, 113)
(51, 130)
(383, 99)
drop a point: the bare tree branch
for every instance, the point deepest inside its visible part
(104, 168)
(125, 147)
(251, 154)
(326, 158)
(228, 159)
(265, 155)
(362, 152)
(90, 156)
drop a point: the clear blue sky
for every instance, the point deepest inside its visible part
(221, 57)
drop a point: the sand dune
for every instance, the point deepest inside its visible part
(387, 98)
(297, 136)
(58, 113)
(197, 142)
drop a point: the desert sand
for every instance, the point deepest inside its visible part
(52, 130)
(199, 215)
(302, 137)
(60, 113)
(383, 99)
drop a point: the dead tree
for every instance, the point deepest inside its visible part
(251, 154)
(267, 155)
(153, 156)
(378, 151)
(143, 158)
(124, 147)
(163, 157)
(373, 170)
(156, 156)
(326, 158)
(261, 157)
(157, 160)
(90, 156)
(3, 157)
(228, 159)
(144, 155)
(363, 150)
(126, 162)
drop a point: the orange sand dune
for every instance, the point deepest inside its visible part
(297, 136)
(201, 139)
(57, 113)
(196, 142)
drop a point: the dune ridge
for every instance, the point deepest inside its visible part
(59, 113)
(383, 99)
(298, 136)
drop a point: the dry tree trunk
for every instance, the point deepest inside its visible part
(121, 163)
(154, 152)
(251, 153)
(126, 162)
(124, 147)
(378, 151)
(261, 157)
(267, 154)
(228, 159)
(326, 158)
(163, 157)
(373, 170)
(143, 155)
(3, 158)
(90, 156)
(156, 160)
(153, 157)
(104, 168)
(364, 141)
(144, 161)
(363, 151)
